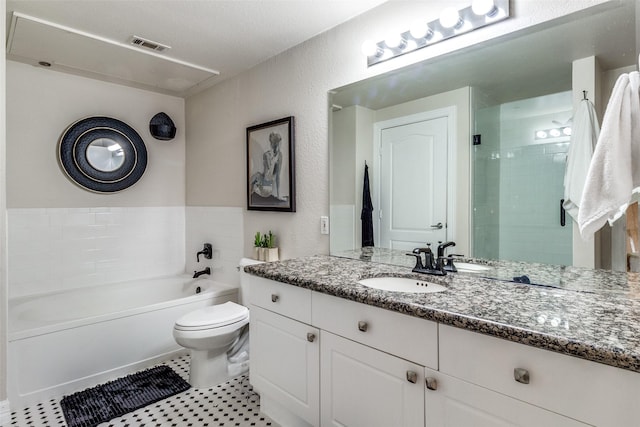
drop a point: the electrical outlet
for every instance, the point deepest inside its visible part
(324, 225)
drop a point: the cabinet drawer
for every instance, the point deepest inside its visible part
(587, 391)
(281, 298)
(404, 336)
(451, 402)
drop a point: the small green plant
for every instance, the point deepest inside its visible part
(271, 240)
(264, 240)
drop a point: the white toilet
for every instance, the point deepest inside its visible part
(210, 332)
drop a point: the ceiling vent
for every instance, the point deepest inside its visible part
(148, 44)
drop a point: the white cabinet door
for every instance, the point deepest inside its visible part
(285, 362)
(364, 387)
(456, 403)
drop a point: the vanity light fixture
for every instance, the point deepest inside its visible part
(452, 22)
(558, 132)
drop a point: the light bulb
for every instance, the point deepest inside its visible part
(541, 134)
(555, 133)
(567, 131)
(420, 30)
(395, 40)
(450, 18)
(484, 7)
(370, 48)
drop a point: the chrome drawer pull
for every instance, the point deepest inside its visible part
(432, 383)
(274, 298)
(362, 326)
(311, 337)
(412, 377)
(521, 375)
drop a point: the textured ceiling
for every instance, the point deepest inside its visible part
(227, 36)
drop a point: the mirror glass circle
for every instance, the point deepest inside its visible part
(105, 155)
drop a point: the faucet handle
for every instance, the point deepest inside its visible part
(207, 251)
(416, 253)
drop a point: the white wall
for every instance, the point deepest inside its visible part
(4, 405)
(222, 227)
(296, 83)
(61, 236)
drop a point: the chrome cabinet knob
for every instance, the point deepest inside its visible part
(311, 337)
(362, 326)
(432, 383)
(274, 298)
(412, 377)
(521, 375)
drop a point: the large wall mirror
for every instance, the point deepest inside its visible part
(499, 198)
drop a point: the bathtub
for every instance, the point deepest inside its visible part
(67, 341)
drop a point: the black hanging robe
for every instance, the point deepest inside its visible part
(367, 211)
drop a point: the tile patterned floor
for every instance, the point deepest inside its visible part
(230, 404)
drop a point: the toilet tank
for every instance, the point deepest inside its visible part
(243, 297)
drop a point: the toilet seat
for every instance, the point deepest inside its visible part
(215, 316)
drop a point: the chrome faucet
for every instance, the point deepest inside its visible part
(197, 274)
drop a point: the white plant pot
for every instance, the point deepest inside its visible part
(270, 254)
(257, 253)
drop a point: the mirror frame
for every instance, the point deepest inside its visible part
(72, 154)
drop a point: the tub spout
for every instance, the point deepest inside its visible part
(197, 274)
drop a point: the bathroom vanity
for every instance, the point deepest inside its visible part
(329, 351)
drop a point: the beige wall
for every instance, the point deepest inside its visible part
(296, 83)
(42, 103)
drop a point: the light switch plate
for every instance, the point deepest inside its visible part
(324, 225)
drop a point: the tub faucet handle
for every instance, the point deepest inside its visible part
(207, 251)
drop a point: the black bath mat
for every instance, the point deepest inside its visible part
(93, 406)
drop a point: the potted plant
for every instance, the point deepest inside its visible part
(257, 247)
(270, 249)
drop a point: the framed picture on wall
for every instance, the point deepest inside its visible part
(271, 166)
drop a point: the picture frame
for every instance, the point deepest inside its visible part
(271, 166)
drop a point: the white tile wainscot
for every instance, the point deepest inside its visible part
(426, 374)
(78, 247)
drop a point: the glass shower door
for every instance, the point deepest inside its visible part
(518, 173)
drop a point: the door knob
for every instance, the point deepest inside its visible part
(362, 326)
(274, 298)
(412, 377)
(437, 226)
(311, 337)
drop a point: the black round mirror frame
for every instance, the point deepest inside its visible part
(72, 154)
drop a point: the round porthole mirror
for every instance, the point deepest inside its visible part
(102, 154)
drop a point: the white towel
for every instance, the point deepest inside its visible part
(584, 135)
(614, 173)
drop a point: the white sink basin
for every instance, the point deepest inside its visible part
(402, 284)
(466, 267)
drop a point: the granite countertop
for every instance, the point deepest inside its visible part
(591, 314)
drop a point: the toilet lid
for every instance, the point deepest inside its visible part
(214, 316)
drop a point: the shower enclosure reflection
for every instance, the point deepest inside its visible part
(518, 173)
